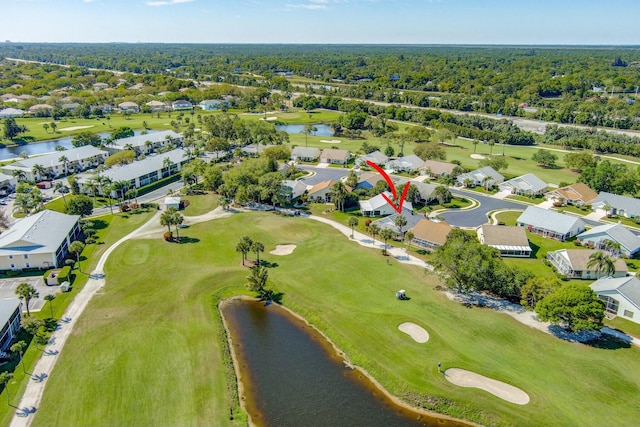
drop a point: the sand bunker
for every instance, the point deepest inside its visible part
(414, 331)
(75, 128)
(283, 250)
(478, 156)
(269, 119)
(330, 141)
(499, 389)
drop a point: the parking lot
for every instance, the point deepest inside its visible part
(8, 287)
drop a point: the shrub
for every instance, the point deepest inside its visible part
(577, 242)
(367, 222)
(69, 262)
(134, 206)
(65, 274)
(46, 275)
(13, 273)
(168, 236)
(124, 208)
(185, 204)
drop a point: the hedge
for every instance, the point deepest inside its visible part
(65, 274)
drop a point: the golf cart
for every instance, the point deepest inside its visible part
(401, 295)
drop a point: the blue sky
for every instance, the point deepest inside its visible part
(323, 21)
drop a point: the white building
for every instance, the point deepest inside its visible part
(378, 205)
(38, 241)
(621, 296)
(10, 316)
(484, 176)
(147, 143)
(598, 237)
(550, 224)
(528, 185)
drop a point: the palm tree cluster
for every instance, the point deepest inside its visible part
(172, 217)
(246, 245)
(602, 263)
(27, 292)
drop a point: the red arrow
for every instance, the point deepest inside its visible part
(387, 178)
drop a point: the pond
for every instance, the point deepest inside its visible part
(293, 377)
(43, 147)
(321, 130)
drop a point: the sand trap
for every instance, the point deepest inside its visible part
(283, 250)
(414, 331)
(499, 389)
(269, 119)
(478, 156)
(330, 141)
(75, 128)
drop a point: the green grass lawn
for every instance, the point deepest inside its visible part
(58, 204)
(200, 204)
(533, 201)
(110, 228)
(147, 352)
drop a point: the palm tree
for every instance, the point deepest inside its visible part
(353, 222)
(49, 298)
(26, 292)
(442, 194)
(5, 377)
(467, 182)
(475, 143)
(339, 194)
(62, 189)
(374, 229)
(602, 263)
(39, 170)
(166, 219)
(307, 130)
(257, 280)
(46, 127)
(65, 163)
(54, 126)
(19, 175)
(19, 348)
(611, 246)
(257, 247)
(177, 219)
(92, 184)
(386, 234)
(408, 237)
(77, 247)
(491, 144)
(243, 248)
(400, 221)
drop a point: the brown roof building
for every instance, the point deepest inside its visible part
(577, 194)
(510, 241)
(438, 168)
(573, 264)
(430, 234)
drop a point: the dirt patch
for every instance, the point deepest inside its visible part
(418, 333)
(478, 156)
(69, 129)
(269, 119)
(283, 250)
(464, 378)
(330, 141)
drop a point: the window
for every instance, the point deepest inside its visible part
(13, 266)
(27, 265)
(10, 256)
(628, 314)
(26, 257)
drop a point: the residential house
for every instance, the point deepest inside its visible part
(8, 183)
(181, 104)
(486, 176)
(72, 106)
(429, 234)
(214, 104)
(7, 113)
(335, 156)
(621, 296)
(408, 163)
(293, 189)
(599, 236)
(38, 241)
(26, 97)
(613, 204)
(550, 224)
(10, 317)
(321, 192)
(389, 222)
(577, 194)
(427, 191)
(9, 97)
(378, 205)
(368, 180)
(101, 108)
(510, 241)
(156, 106)
(141, 172)
(41, 109)
(129, 106)
(375, 157)
(305, 154)
(254, 150)
(573, 264)
(136, 86)
(147, 143)
(54, 164)
(525, 185)
(100, 86)
(436, 169)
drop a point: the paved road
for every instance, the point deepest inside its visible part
(322, 174)
(478, 216)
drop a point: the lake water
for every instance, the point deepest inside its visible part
(293, 377)
(322, 130)
(43, 146)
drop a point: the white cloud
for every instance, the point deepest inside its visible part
(166, 3)
(87, 1)
(307, 6)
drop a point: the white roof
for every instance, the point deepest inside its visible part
(52, 159)
(408, 162)
(479, 174)
(9, 112)
(376, 157)
(629, 287)
(172, 200)
(528, 182)
(549, 220)
(617, 233)
(7, 307)
(139, 140)
(378, 202)
(140, 167)
(39, 233)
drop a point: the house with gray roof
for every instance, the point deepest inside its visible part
(293, 189)
(181, 104)
(376, 157)
(10, 316)
(599, 236)
(7, 113)
(77, 160)
(574, 263)
(214, 104)
(484, 176)
(38, 241)
(405, 164)
(156, 106)
(129, 106)
(141, 172)
(305, 154)
(254, 150)
(620, 295)
(427, 191)
(147, 143)
(614, 204)
(525, 185)
(378, 206)
(8, 183)
(389, 222)
(550, 224)
(335, 156)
